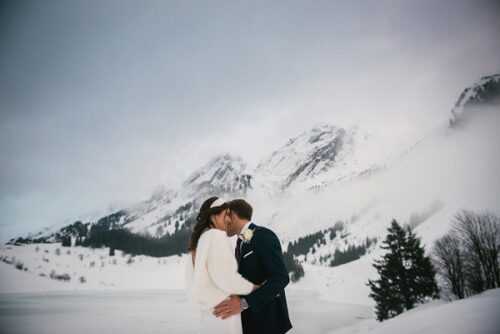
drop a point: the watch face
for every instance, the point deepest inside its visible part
(243, 304)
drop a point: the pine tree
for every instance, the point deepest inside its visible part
(387, 290)
(421, 273)
(406, 274)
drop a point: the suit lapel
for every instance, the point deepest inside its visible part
(247, 246)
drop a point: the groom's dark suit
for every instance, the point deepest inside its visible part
(259, 260)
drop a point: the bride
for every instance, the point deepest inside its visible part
(212, 271)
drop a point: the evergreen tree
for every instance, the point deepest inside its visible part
(406, 274)
(66, 241)
(295, 269)
(421, 273)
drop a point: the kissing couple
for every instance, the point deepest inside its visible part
(240, 290)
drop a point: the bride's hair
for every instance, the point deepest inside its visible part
(203, 220)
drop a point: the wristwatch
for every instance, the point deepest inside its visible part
(243, 304)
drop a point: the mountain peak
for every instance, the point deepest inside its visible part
(321, 132)
(484, 92)
(307, 155)
(223, 172)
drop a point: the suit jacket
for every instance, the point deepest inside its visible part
(261, 260)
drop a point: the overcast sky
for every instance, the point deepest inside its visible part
(101, 101)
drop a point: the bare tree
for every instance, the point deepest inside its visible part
(480, 235)
(449, 260)
(467, 257)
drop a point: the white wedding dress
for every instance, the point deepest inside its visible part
(214, 278)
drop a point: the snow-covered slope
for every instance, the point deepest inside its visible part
(451, 169)
(325, 155)
(307, 156)
(37, 267)
(478, 315)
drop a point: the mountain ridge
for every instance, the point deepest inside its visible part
(361, 190)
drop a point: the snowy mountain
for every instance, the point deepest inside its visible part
(329, 193)
(316, 158)
(307, 156)
(223, 174)
(484, 92)
(166, 211)
(326, 155)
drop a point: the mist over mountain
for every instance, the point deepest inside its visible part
(330, 175)
(329, 193)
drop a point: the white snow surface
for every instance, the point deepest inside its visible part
(106, 272)
(477, 314)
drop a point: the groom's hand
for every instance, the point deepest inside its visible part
(228, 307)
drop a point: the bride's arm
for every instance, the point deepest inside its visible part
(223, 268)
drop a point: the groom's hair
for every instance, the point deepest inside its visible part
(241, 208)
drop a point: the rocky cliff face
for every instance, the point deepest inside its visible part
(485, 92)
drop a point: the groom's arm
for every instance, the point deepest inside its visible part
(268, 249)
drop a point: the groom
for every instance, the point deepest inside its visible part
(260, 260)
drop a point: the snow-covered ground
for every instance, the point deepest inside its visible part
(168, 311)
(146, 296)
(342, 284)
(143, 296)
(475, 315)
(147, 311)
(100, 271)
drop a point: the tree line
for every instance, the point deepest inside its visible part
(465, 262)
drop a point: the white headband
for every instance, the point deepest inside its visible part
(218, 202)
